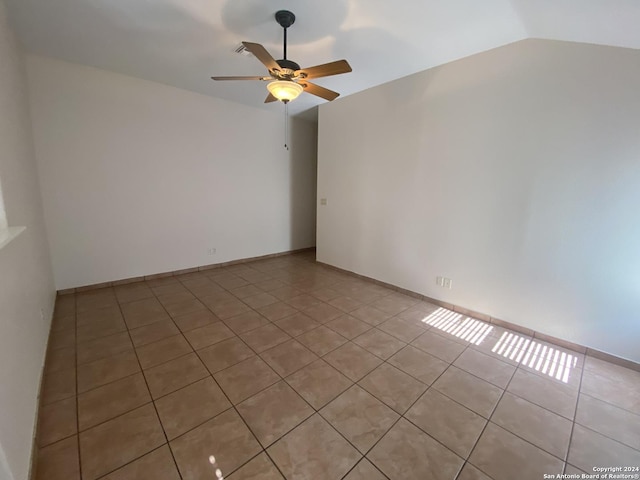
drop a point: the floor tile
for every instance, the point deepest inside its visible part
(469, 472)
(270, 285)
(288, 357)
(609, 420)
(453, 425)
(104, 347)
(277, 311)
(103, 315)
(246, 322)
(612, 383)
(224, 437)
(168, 289)
(88, 332)
(246, 379)
(194, 320)
(348, 326)
(229, 308)
(545, 392)
(57, 421)
(60, 359)
(273, 412)
(401, 329)
(393, 387)
(321, 340)
(483, 366)
(162, 351)
(110, 445)
(106, 370)
(590, 449)
(62, 338)
(264, 338)
(225, 354)
(58, 385)
(353, 361)
(418, 364)
(379, 343)
(246, 291)
(95, 300)
(262, 299)
(259, 468)
(190, 406)
(318, 383)
(157, 465)
(154, 332)
(132, 292)
(394, 304)
(173, 375)
(143, 312)
(109, 401)
(365, 470)
(407, 452)
(530, 422)
(438, 346)
(208, 335)
(59, 461)
(303, 301)
(503, 456)
(470, 391)
(345, 303)
(313, 450)
(359, 417)
(325, 294)
(370, 315)
(285, 292)
(297, 324)
(323, 312)
(63, 322)
(185, 307)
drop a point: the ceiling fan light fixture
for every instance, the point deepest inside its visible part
(285, 90)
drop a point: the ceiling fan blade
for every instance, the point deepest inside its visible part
(319, 91)
(241, 78)
(261, 54)
(326, 70)
(270, 98)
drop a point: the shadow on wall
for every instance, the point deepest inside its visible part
(303, 158)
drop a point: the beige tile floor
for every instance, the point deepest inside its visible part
(283, 368)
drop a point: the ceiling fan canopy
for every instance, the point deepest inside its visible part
(287, 79)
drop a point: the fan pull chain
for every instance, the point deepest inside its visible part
(286, 126)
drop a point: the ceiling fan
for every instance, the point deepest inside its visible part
(286, 79)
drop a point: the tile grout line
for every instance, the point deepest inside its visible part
(77, 389)
(486, 425)
(575, 414)
(149, 390)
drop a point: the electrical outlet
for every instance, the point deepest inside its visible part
(323, 201)
(447, 283)
(211, 251)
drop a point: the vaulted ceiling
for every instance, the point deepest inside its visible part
(184, 42)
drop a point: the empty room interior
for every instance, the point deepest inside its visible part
(319, 240)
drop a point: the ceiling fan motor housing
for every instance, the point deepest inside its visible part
(285, 18)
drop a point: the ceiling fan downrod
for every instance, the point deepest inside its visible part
(285, 18)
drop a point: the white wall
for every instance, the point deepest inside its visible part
(26, 283)
(140, 178)
(515, 172)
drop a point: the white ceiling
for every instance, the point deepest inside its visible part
(184, 42)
